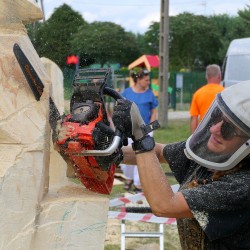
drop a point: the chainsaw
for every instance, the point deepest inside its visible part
(81, 147)
(87, 113)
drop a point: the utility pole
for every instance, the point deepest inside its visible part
(42, 7)
(164, 62)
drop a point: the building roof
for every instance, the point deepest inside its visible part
(146, 61)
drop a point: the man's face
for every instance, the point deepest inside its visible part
(217, 142)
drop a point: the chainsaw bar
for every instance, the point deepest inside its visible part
(54, 116)
(36, 86)
(29, 72)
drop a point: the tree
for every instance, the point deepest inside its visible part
(229, 28)
(105, 42)
(194, 41)
(224, 25)
(245, 14)
(52, 38)
(151, 39)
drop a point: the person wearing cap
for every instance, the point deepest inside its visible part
(212, 205)
(143, 96)
(204, 96)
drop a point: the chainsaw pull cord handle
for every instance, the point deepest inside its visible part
(117, 135)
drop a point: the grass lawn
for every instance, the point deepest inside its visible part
(177, 130)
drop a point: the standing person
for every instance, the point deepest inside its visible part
(212, 206)
(147, 103)
(204, 96)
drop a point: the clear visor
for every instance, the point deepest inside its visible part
(217, 143)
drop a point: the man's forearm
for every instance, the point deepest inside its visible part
(129, 155)
(162, 200)
(154, 182)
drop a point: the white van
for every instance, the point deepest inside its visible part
(236, 65)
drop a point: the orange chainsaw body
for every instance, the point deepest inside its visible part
(79, 138)
(87, 112)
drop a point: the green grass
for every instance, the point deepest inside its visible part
(177, 130)
(117, 191)
(112, 247)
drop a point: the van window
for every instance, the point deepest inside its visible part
(238, 67)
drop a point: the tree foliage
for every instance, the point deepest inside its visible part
(229, 28)
(151, 39)
(105, 42)
(245, 14)
(194, 40)
(52, 38)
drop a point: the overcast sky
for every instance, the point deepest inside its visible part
(136, 15)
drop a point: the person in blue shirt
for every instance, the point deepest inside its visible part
(144, 98)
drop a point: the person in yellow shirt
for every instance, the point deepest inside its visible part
(204, 96)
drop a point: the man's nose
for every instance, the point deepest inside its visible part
(216, 128)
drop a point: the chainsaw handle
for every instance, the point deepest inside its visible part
(112, 93)
(117, 136)
(108, 151)
(116, 95)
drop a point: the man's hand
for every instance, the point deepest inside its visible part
(127, 119)
(103, 136)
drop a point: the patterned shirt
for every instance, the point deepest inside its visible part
(221, 208)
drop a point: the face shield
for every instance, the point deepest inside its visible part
(221, 140)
